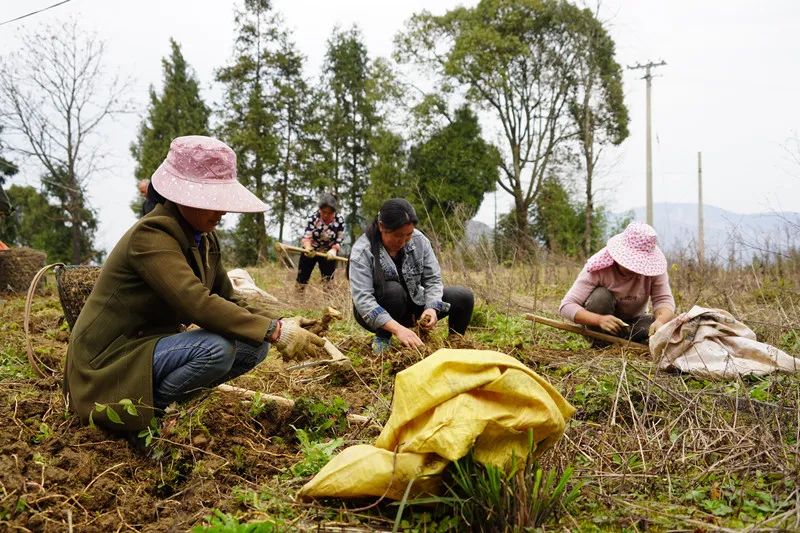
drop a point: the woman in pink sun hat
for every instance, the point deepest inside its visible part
(612, 291)
(128, 351)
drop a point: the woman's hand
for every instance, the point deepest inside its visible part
(662, 315)
(654, 327)
(611, 324)
(408, 338)
(428, 319)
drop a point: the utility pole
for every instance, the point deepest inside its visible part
(700, 235)
(648, 78)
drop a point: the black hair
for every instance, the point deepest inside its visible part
(153, 195)
(393, 214)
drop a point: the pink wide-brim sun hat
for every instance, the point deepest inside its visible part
(200, 172)
(637, 249)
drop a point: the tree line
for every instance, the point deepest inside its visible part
(523, 95)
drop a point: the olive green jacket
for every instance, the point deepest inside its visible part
(154, 282)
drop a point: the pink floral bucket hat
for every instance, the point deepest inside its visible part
(635, 248)
(200, 172)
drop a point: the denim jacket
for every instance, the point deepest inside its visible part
(420, 271)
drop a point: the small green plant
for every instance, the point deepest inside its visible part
(150, 432)
(220, 522)
(111, 413)
(321, 418)
(44, 433)
(500, 330)
(790, 342)
(316, 454)
(257, 405)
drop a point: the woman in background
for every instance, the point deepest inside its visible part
(324, 234)
(395, 280)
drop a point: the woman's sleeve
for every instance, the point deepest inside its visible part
(661, 293)
(432, 278)
(573, 301)
(157, 258)
(362, 291)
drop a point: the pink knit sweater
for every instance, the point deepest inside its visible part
(631, 292)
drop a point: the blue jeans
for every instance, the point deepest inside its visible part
(185, 363)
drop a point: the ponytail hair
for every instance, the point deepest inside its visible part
(393, 214)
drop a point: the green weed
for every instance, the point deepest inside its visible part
(499, 330)
(321, 418)
(316, 454)
(220, 522)
(488, 498)
(44, 433)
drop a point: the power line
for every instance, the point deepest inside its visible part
(34, 12)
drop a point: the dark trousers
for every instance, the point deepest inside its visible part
(326, 267)
(602, 302)
(399, 305)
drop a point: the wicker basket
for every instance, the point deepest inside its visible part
(18, 266)
(75, 284)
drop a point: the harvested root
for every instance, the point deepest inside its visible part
(287, 403)
(329, 315)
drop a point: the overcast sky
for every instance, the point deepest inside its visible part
(730, 87)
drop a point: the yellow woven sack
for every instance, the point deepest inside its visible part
(445, 405)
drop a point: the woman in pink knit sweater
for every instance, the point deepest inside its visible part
(613, 289)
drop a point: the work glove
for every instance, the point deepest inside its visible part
(331, 253)
(295, 342)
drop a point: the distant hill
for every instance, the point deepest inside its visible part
(475, 229)
(728, 235)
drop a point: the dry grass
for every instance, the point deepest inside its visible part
(654, 450)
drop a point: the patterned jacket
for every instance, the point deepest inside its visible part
(323, 236)
(420, 271)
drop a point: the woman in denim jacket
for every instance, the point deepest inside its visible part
(405, 283)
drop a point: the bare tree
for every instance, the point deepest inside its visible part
(54, 95)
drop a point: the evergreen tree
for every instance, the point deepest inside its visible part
(249, 123)
(453, 170)
(389, 176)
(290, 100)
(37, 224)
(349, 122)
(179, 110)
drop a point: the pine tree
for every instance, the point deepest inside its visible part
(290, 100)
(178, 110)
(349, 121)
(249, 122)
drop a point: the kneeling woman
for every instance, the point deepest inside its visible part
(395, 279)
(612, 290)
(127, 351)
